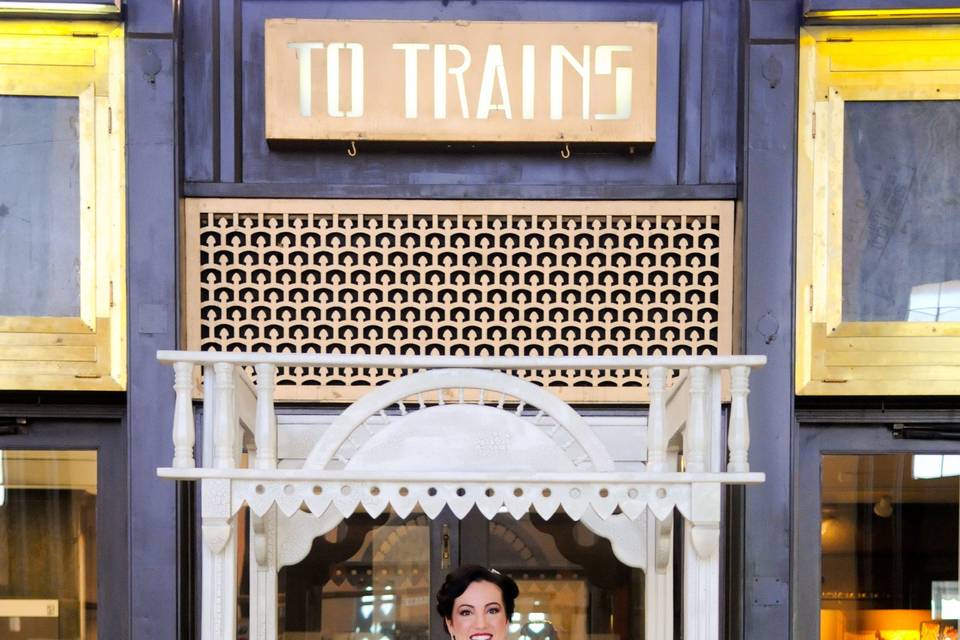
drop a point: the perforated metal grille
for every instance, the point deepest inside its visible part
(459, 278)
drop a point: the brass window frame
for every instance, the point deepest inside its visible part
(86, 351)
(835, 357)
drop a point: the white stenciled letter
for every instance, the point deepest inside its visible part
(622, 79)
(440, 71)
(410, 84)
(528, 83)
(493, 69)
(304, 50)
(356, 79)
(559, 53)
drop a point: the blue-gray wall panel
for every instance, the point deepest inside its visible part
(152, 304)
(224, 95)
(691, 79)
(150, 16)
(231, 112)
(201, 119)
(527, 165)
(769, 190)
(476, 192)
(774, 19)
(718, 137)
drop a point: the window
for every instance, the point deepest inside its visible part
(875, 534)
(62, 319)
(882, 570)
(878, 254)
(375, 578)
(48, 563)
(64, 569)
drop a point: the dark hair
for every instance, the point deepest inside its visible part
(459, 579)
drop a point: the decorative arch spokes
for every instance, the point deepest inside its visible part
(434, 388)
(461, 434)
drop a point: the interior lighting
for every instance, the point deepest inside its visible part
(58, 8)
(883, 508)
(884, 14)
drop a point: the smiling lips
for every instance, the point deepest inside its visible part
(481, 636)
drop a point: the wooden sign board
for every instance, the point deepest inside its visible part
(460, 81)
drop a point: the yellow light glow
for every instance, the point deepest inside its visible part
(58, 8)
(884, 14)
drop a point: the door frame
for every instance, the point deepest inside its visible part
(816, 440)
(106, 437)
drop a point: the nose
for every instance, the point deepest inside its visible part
(482, 621)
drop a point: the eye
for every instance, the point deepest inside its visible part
(464, 612)
(494, 610)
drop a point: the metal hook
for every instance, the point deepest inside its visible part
(565, 152)
(352, 151)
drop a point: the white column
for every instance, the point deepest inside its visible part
(224, 418)
(701, 565)
(206, 555)
(219, 606)
(658, 592)
(695, 435)
(738, 437)
(183, 430)
(266, 421)
(263, 575)
(656, 429)
(218, 525)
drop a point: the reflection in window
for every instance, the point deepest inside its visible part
(935, 302)
(571, 585)
(367, 579)
(48, 569)
(901, 211)
(929, 466)
(889, 538)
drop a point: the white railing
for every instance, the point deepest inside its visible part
(234, 399)
(633, 509)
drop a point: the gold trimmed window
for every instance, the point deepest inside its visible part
(878, 211)
(459, 278)
(62, 318)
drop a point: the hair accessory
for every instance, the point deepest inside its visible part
(492, 570)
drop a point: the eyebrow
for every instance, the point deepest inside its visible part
(486, 605)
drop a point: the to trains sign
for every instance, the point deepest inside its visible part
(460, 81)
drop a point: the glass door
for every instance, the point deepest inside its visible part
(48, 535)
(367, 579)
(877, 536)
(63, 545)
(375, 579)
(571, 584)
(888, 539)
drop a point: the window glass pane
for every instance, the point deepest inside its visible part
(888, 534)
(901, 211)
(367, 578)
(571, 585)
(39, 206)
(48, 568)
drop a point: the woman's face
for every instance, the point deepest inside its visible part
(478, 613)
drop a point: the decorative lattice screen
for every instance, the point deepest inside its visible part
(459, 278)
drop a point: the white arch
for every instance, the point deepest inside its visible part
(325, 450)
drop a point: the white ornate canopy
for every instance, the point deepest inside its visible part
(461, 434)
